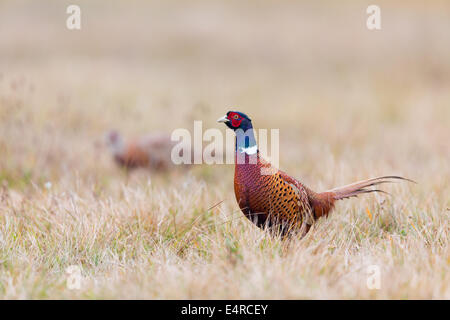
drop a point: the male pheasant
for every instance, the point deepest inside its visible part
(271, 198)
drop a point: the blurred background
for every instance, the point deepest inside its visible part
(311, 69)
(350, 104)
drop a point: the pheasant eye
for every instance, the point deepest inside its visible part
(236, 117)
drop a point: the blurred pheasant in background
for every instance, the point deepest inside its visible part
(150, 151)
(270, 197)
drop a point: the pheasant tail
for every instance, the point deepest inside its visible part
(322, 203)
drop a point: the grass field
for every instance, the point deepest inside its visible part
(350, 104)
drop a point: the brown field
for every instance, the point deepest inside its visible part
(350, 104)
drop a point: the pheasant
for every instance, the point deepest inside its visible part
(271, 198)
(150, 151)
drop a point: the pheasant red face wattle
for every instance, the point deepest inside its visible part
(235, 119)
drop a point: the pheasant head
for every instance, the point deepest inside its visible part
(236, 120)
(241, 124)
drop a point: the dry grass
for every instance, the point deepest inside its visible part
(350, 104)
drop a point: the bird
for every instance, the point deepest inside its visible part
(151, 151)
(274, 200)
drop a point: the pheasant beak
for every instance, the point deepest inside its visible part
(223, 119)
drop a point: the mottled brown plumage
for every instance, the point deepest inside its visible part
(276, 200)
(152, 151)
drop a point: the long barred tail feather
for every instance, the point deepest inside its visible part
(360, 187)
(322, 203)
